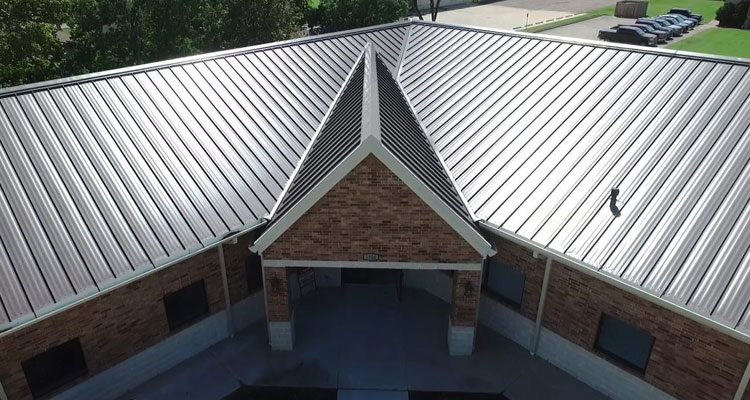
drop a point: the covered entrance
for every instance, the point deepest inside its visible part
(370, 199)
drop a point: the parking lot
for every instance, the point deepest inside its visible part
(589, 29)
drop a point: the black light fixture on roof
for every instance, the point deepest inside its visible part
(613, 202)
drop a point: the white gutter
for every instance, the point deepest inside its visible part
(225, 284)
(540, 308)
(260, 223)
(593, 272)
(740, 389)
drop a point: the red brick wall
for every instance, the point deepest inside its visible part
(372, 211)
(277, 293)
(114, 326)
(465, 301)
(689, 360)
(234, 260)
(522, 260)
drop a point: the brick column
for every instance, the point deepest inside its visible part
(464, 306)
(278, 308)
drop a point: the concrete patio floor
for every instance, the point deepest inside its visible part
(362, 337)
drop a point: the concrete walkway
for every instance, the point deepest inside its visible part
(361, 337)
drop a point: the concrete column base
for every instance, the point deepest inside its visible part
(281, 335)
(460, 339)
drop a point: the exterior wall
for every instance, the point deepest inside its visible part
(522, 260)
(276, 287)
(372, 211)
(688, 361)
(466, 289)
(234, 260)
(117, 325)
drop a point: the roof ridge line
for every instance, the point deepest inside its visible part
(370, 95)
(156, 65)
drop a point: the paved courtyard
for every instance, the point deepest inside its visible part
(362, 337)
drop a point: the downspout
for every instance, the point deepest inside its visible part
(740, 389)
(540, 309)
(225, 283)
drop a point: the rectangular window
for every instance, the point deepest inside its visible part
(55, 368)
(254, 273)
(624, 342)
(186, 305)
(505, 282)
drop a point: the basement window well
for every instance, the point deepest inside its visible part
(624, 342)
(55, 368)
(186, 305)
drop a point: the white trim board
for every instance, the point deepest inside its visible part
(373, 264)
(372, 145)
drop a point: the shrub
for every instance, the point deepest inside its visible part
(733, 15)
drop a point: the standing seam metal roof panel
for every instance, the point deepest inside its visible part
(112, 174)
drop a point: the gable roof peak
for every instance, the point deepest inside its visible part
(370, 96)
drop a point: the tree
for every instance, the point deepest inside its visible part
(114, 33)
(336, 15)
(434, 4)
(733, 15)
(29, 48)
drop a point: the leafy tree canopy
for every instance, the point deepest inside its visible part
(29, 48)
(113, 33)
(337, 15)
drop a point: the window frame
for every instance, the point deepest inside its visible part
(180, 325)
(70, 377)
(497, 296)
(618, 359)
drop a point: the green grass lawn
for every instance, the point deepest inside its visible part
(707, 8)
(313, 3)
(721, 41)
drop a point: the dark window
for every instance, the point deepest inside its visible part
(505, 282)
(186, 305)
(55, 367)
(624, 342)
(254, 273)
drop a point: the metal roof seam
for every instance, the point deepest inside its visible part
(156, 138)
(100, 145)
(79, 213)
(41, 221)
(148, 164)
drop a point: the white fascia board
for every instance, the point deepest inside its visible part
(618, 283)
(303, 205)
(459, 224)
(373, 264)
(315, 137)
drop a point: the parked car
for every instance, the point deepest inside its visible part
(687, 13)
(676, 21)
(674, 29)
(661, 35)
(628, 34)
(693, 23)
(682, 28)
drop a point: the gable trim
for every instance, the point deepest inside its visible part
(372, 145)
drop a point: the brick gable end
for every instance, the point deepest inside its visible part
(372, 211)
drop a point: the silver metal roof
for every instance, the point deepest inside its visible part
(372, 104)
(107, 176)
(537, 131)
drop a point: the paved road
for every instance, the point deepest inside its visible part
(588, 29)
